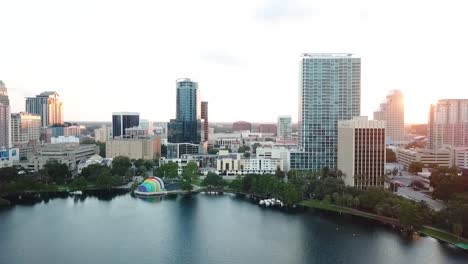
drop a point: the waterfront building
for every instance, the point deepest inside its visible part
(429, 157)
(241, 126)
(284, 128)
(148, 148)
(204, 117)
(5, 125)
(361, 152)
(392, 111)
(122, 121)
(186, 128)
(448, 124)
(329, 91)
(176, 150)
(274, 152)
(48, 105)
(69, 154)
(235, 166)
(103, 134)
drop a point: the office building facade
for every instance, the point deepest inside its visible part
(5, 125)
(186, 128)
(48, 105)
(448, 124)
(122, 121)
(204, 118)
(103, 134)
(392, 111)
(361, 152)
(329, 91)
(284, 128)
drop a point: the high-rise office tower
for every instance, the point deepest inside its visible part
(204, 117)
(392, 111)
(186, 128)
(361, 152)
(284, 128)
(329, 91)
(5, 127)
(448, 124)
(48, 105)
(25, 128)
(122, 121)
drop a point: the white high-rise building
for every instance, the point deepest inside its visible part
(329, 91)
(284, 127)
(361, 152)
(392, 111)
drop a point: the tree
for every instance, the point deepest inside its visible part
(186, 184)
(410, 216)
(79, 183)
(236, 184)
(56, 171)
(457, 229)
(291, 195)
(279, 173)
(214, 180)
(243, 149)
(415, 167)
(390, 156)
(168, 170)
(190, 171)
(120, 165)
(102, 149)
(92, 172)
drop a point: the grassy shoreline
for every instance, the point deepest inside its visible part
(438, 234)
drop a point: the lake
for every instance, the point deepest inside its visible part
(201, 228)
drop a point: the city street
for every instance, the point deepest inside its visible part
(408, 192)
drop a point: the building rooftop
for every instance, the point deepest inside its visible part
(327, 55)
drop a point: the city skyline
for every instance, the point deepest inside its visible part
(252, 49)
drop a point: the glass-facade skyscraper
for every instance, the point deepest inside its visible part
(48, 105)
(122, 121)
(186, 128)
(329, 91)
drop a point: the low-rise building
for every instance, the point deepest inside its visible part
(9, 157)
(181, 162)
(95, 159)
(461, 157)
(176, 150)
(69, 154)
(233, 166)
(65, 139)
(273, 152)
(429, 157)
(147, 148)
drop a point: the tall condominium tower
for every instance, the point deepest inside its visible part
(448, 123)
(25, 128)
(284, 127)
(122, 121)
(186, 128)
(48, 105)
(329, 91)
(204, 117)
(361, 152)
(5, 136)
(392, 111)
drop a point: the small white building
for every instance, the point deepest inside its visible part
(274, 152)
(233, 166)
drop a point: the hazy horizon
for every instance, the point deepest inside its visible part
(107, 56)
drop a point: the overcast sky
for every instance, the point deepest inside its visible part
(104, 56)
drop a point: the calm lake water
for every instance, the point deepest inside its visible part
(200, 229)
